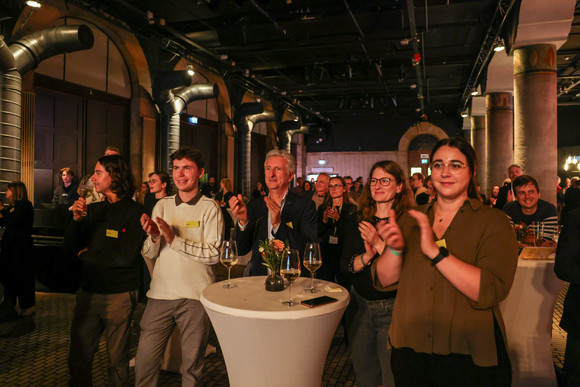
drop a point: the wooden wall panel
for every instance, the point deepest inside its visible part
(149, 135)
(27, 143)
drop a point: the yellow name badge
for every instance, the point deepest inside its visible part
(112, 233)
(441, 243)
(289, 224)
(192, 224)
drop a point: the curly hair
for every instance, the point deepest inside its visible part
(403, 200)
(122, 179)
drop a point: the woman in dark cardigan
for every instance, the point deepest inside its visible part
(333, 216)
(16, 272)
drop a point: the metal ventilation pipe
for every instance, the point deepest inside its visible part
(21, 56)
(163, 86)
(181, 97)
(284, 128)
(290, 133)
(246, 117)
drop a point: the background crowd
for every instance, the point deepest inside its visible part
(426, 259)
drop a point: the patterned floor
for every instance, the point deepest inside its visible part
(39, 357)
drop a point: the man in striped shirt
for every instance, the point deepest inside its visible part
(540, 216)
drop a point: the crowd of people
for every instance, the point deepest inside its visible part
(427, 260)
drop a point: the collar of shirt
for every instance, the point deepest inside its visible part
(271, 230)
(192, 202)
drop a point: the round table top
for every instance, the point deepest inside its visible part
(250, 299)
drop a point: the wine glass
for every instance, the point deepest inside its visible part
(228, 258)
(86, 189)
(312, 261)
(290, 269)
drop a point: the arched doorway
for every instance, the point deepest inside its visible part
(414, 151)
(419, 153)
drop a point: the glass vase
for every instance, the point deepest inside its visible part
(274, 283)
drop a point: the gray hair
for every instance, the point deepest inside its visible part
(291, 161)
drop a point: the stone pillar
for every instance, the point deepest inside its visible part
(499, 118)
(478, 143)
(535, 115)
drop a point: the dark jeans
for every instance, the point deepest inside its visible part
(94, 315)
(368, 325)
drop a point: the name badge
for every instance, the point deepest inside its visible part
(441, 243)
(11, 210)
(192, 224)
(112, 233)
(333, 240)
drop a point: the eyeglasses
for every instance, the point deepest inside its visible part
(335, 186)
(384, 182)
(455, 167)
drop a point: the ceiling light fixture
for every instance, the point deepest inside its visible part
(33, 4)
(190, 70)
(474, 92)
(464, 114)
(499, 46)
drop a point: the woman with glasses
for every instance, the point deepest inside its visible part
(333, 216)
(452, 261)
(386, 196)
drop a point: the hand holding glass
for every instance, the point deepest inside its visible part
(228, 258)
(312, 261)
(290, 269)
(85, 190)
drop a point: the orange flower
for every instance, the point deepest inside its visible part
(278, 245)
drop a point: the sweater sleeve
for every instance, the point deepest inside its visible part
(206, 251)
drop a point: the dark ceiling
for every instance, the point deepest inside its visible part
(332, 57)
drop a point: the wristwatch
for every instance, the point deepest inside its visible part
(443, 253)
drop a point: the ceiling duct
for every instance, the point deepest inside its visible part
(15, 60)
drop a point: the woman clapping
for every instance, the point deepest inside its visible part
(452, 261)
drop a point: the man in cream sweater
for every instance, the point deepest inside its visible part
(185, 233)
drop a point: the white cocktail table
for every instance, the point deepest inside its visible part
(265, 343)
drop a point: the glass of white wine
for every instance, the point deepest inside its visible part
(228, 258)
(290, 269)
(86, 189)
(312, 261)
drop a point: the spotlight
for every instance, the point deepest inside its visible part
(190, 70)
(464, 114)
(474, 92)
(499, 46)
(33, 4)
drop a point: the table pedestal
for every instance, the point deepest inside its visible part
(268, 344)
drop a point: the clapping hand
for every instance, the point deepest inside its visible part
(428, 245)
(391, 233)
(150, 227)
(239, 209)
(275, 211)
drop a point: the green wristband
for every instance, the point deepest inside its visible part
(395, 252)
